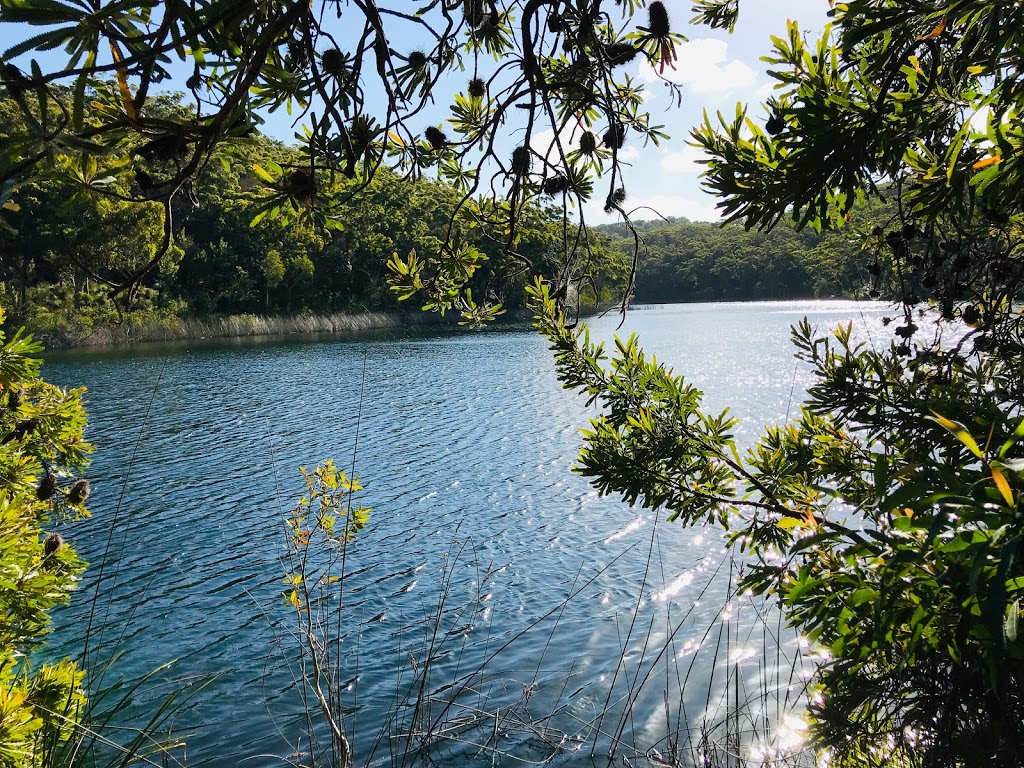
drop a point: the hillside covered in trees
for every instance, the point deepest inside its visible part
(65, 251)
(701, 261)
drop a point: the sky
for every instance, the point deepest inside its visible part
(715, 69)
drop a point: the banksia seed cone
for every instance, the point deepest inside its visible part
(52, 544)
(619, 53)
(555, 185)
(658, 24)
(473, 11)
(333, 61)
(417, 60)
(477, 88)
(436, 137)
(47, 487)
(615, 136)
(520, 161)
(79, 492)
(588, 143)
(300, 184)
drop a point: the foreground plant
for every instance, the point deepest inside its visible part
(41, 449)
(320, 529)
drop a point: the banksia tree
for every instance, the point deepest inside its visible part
(38, 704)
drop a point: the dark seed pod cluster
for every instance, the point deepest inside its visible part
(296, 58)
(520, 161)
(658, 23)
(435, 137)
(417, 60)
(775, 125)
(615, 136)
(52, 544)
(300, 184)
(333, 62)
(555, 185)
(477, 88)
(473, 12)
(47, 487)
(14, 399)
(588, 143)
(619, 53)
(615, 200)
(79, 492)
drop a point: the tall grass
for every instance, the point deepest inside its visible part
(151, 327)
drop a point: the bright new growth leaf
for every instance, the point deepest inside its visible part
(41, 447)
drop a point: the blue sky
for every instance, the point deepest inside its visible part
(716, 70)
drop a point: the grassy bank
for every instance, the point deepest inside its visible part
(147, 327)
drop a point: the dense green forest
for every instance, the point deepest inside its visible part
(703, 261)
(65, 249)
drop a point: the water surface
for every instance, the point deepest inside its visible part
(465, 444)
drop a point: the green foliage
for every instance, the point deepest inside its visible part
(886, 518)
(95, 120)
(41, 446)
(320, 529)
(702, 261)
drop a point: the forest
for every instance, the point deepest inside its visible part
(64, 249)
(882, 517)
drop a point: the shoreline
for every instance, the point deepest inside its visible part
(231, 326)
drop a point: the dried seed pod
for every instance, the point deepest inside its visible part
(417, 60)
(588, 143)
(615, 199)
(170, 147)
(971, 315)
(300, 184)
(619, 53)
(473, 12)
(79, 492)
(775, 125)
(436, 137)
(658, 23)
(477, 88)
(520, 161)
(47, 487)
(52, 544)
(21, 429)
(615, 136)
(334, 62)
(555, 23)
(296, 57)
(14, 398)
(555, 185)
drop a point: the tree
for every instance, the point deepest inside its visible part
(536, 65)
(41, 446)
(887, 517)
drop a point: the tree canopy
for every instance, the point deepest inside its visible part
(886, 517)
(510, 69)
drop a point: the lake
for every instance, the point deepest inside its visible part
(559, 625)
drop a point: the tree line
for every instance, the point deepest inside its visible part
(66, 250)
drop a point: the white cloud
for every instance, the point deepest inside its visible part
(684, 161)
(628, 154)
(704, 66)
(698, 208)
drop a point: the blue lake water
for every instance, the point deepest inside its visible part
(569, 622)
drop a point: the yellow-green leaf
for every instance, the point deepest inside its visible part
(1003, 486)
